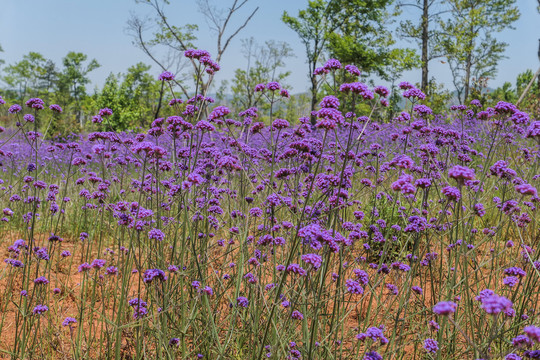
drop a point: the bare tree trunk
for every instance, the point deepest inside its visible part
(160, 100)
(425, 38)
(468, 67)
(313, 98)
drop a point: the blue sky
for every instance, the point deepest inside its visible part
(98, 28)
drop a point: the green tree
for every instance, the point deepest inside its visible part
(33, 76)
(426, 33)
(353, 31)
(263, 64)
(313, 25)
(133, 97)
(72, 80)
(469, 42)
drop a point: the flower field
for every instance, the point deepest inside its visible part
(214, 235)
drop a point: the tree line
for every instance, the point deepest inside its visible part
(459, 33)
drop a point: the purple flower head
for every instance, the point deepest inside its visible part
(280, 124)
(40, 309)
(313, 259)
(166, 76)
(414, 93)
(353, 70)
(98, 263)
(526, 189)
(494, 304)
(505, 108)
(68, 321)
(242, 302)
(273, 86)
(329, 102)
(297, 315)
(42, 280)
(445, 308)
(156, 234)
(372, 355)
(152, 274)
(35, 103)
(451, 193)
(375, 334)
(14, 109)
(533, 332)
(105, 112)
(461, 173)
(382, 91)
(431, 345)
(423, 110)
(56, 108)
(418, 290)
(405, 85)
(84, 267)
(332, 64)
(510, 281)
(515, 271)
(354, 287)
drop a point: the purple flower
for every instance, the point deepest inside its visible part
(14, 263)
(405, 85)
(40, 309)
(98, 263)
(445, 308)
(297, 315)
(332, 64)
(526, 189)
(414, 93)
(431, 345)
(105, 112)
(423, 110)
(208, 290)
(42, 280)
(156, 234)
(354, 287)
(152, 274)
(35, 103)
(533, 332)
(56, 108)
(353, 70)
(329, 102)
(166, 76)
(494, 304)
(375, 334)
(451, 193)
(510, 281)
(242, 302)
(515, 271)
(313, 259)
(84, 267)
(68, 321)
(461, 173)
(14, 109)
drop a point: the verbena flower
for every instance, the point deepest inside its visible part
(445, 308)
(431, 345)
